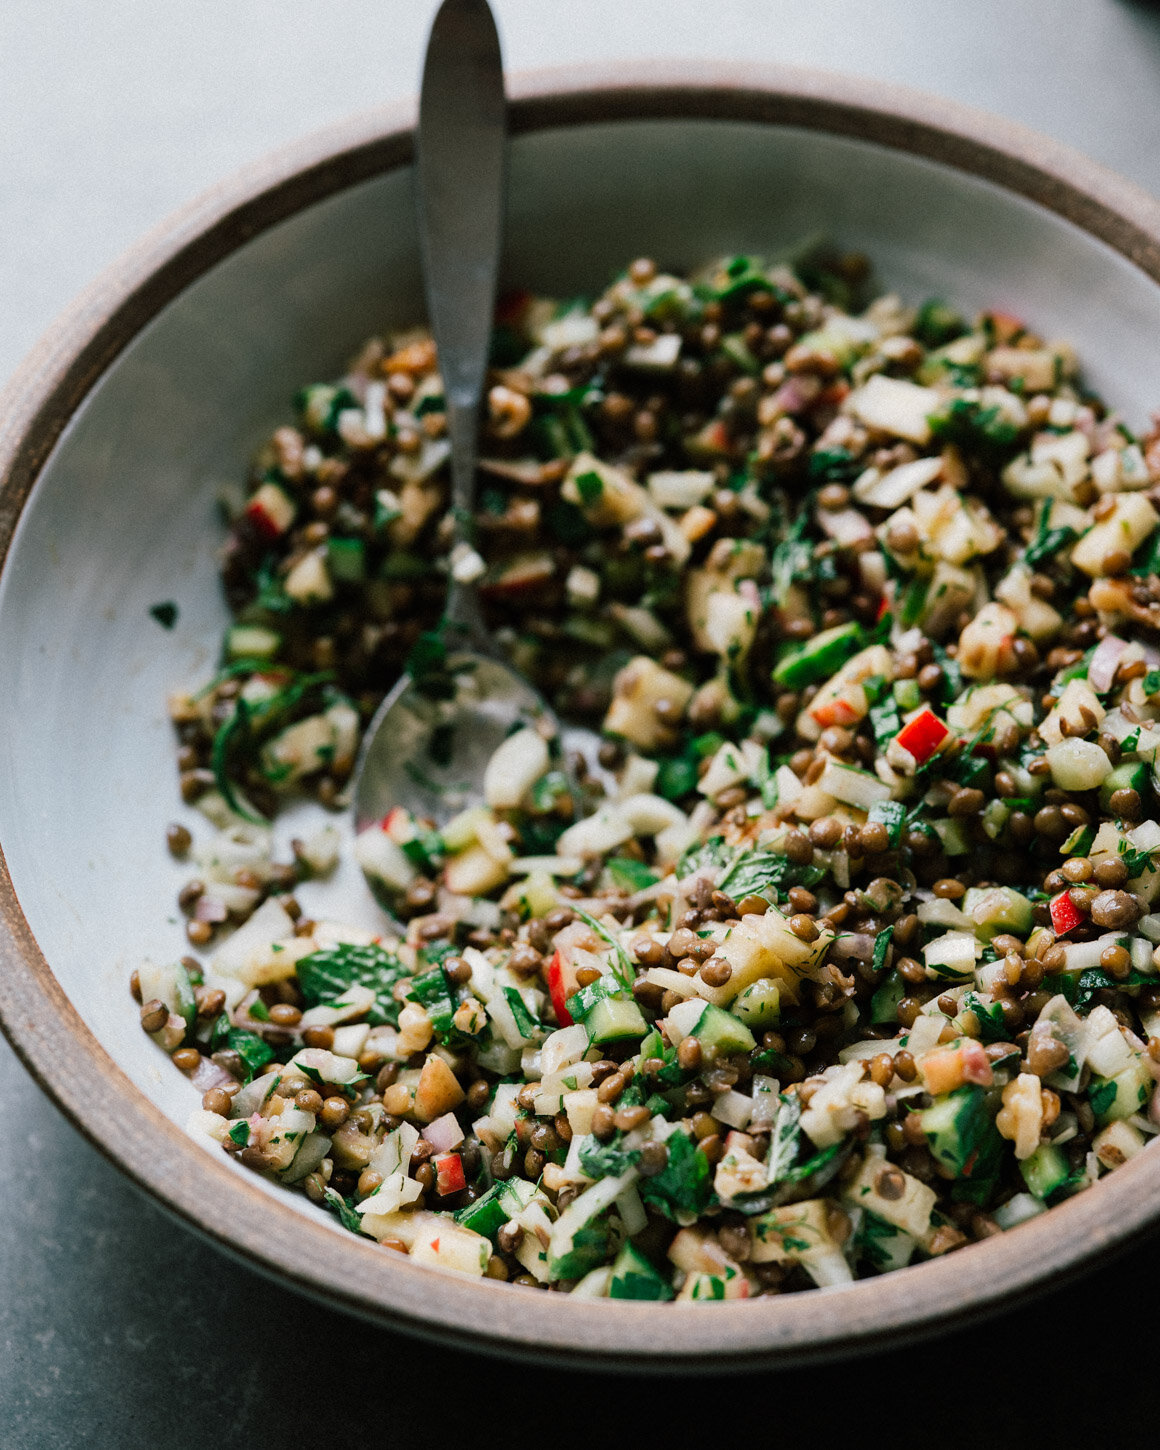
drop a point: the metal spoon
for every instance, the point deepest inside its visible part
(428, 745)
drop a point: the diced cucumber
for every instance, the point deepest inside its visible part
(882, 1245)
(955, 1124)
(613, 1019)
(502, 1201)
(1128, 775)
(581, 1238)
(1045, 1171)
(951, 957)
(851, 786)
(721, 1034)
(252, 642)
(515, 1194)
(884, 1003)
(633, 1277)
(583, 1003)
(186, 1003)
(759, 1005)
(1079, 842)
(346, 560)
(819, 657)
(907, 695)
(1119, 1097)
(998, 909)
(652, 1046)
(486, 1215)
(952, 834)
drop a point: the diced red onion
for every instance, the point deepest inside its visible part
(1105, 662)
(797, 393)
(210, 909)
(845, 526)
(209, 1075)
(444, 1133)
(855, 945)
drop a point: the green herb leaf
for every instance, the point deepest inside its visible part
(713, 852)
(785, 1137)
(976, 429)
(165, 614)
(1080, 990)
(677, 777)
(590, 486)
(607, 1160)
(346, 1214)
(623, 967)
(683, 1188)
(526, 1023)
(753, 873)
(325, 975)
(253, 1051)
(630, 875)
(1048, 543)
(937, 324)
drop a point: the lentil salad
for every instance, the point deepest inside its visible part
(846, 955)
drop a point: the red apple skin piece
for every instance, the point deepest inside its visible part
(449, 1174)
(558, 992)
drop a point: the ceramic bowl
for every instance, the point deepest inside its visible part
(152, 391)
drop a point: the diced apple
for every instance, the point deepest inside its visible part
(842, 700)
(607, 495)
(764, 947)
(384, 860)
(451, 1246)
(985, 641)
(1078, 708)
(800, 1232)
(309, 582)
(474, 872)
(729, 561)
(909, 1211)
(271, 511)
(438, 1091)
(1039, 369)
(264, 949)
(519, 576)
(514, 768)
(1036, 617)
(1121, 532)
(680, 489)
(639, 688)
(894, 406)
(731, 624)
(892, 489)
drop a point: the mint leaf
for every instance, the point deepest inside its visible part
(325, 975)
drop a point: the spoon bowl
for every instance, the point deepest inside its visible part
(427, 748)
(429, 743)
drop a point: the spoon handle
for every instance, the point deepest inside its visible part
(459, 205)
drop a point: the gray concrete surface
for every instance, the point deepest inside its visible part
(118, 1328)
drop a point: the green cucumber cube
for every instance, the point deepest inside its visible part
(633, 1277)
(613, 1019)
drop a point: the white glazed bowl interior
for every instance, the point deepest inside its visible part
(123, 515)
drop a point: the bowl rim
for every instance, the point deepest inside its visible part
(272, 1235)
